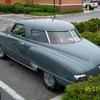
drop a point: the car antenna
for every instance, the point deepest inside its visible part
(54, 16)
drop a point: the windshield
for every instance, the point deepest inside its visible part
(63, 37)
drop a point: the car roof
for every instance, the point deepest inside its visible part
(47, 24)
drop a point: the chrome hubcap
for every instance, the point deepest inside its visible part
(49, 79)
(1, 52)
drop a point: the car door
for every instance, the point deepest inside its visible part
(17, 44)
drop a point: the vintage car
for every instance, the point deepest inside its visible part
(90, 4)
(52, 47)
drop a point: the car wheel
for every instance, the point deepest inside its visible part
(50, 82)
(2, 54)
(88, 7)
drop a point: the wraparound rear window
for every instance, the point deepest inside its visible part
(56, 37)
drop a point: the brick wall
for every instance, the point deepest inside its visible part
(2, 1)
(62, 4)
(45, 2)
(71, 1)
(71, 5)
(14, 1)
(57, 1)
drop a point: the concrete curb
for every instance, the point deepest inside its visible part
(57, 97)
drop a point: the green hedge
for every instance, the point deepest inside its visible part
(92, 25)
(87, 90)
(93, 37)
(71, 11)
(90, 30)
(45, 8)
(26, 8)
(34, 9)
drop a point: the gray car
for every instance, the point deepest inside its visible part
(52, 47)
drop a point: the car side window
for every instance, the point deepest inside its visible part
(19, 30)
(39, 36)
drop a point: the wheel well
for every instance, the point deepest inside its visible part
(39, 71)
(87, 5)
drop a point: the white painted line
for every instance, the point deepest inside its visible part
(10, 91)
(7, 19)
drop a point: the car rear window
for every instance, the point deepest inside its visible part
(56, 37)
(70, 36)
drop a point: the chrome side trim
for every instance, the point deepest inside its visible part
(20, 63)
(42, 70)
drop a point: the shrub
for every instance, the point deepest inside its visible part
(19, 3)
(97, 22)
(28, 5)
(45, 8)
(71, 11)
(87, 90)
(1, 7)
(27, 10)
(18, 9)
(38, 10)
(9, 8)
(93, 37)
(92, 25)
(82, 27)
(40, 13)
(4, 8)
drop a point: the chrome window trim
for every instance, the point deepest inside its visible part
(73, 36)
(47, 36)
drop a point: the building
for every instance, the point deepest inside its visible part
(61, 4)
(13, 1)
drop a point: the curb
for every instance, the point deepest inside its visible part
(57, 97)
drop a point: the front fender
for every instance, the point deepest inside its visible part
(54, 63)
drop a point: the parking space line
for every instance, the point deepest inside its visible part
(10, 91)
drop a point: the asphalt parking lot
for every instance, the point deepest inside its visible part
(24, 81)
(81, 16)
(21, 79)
